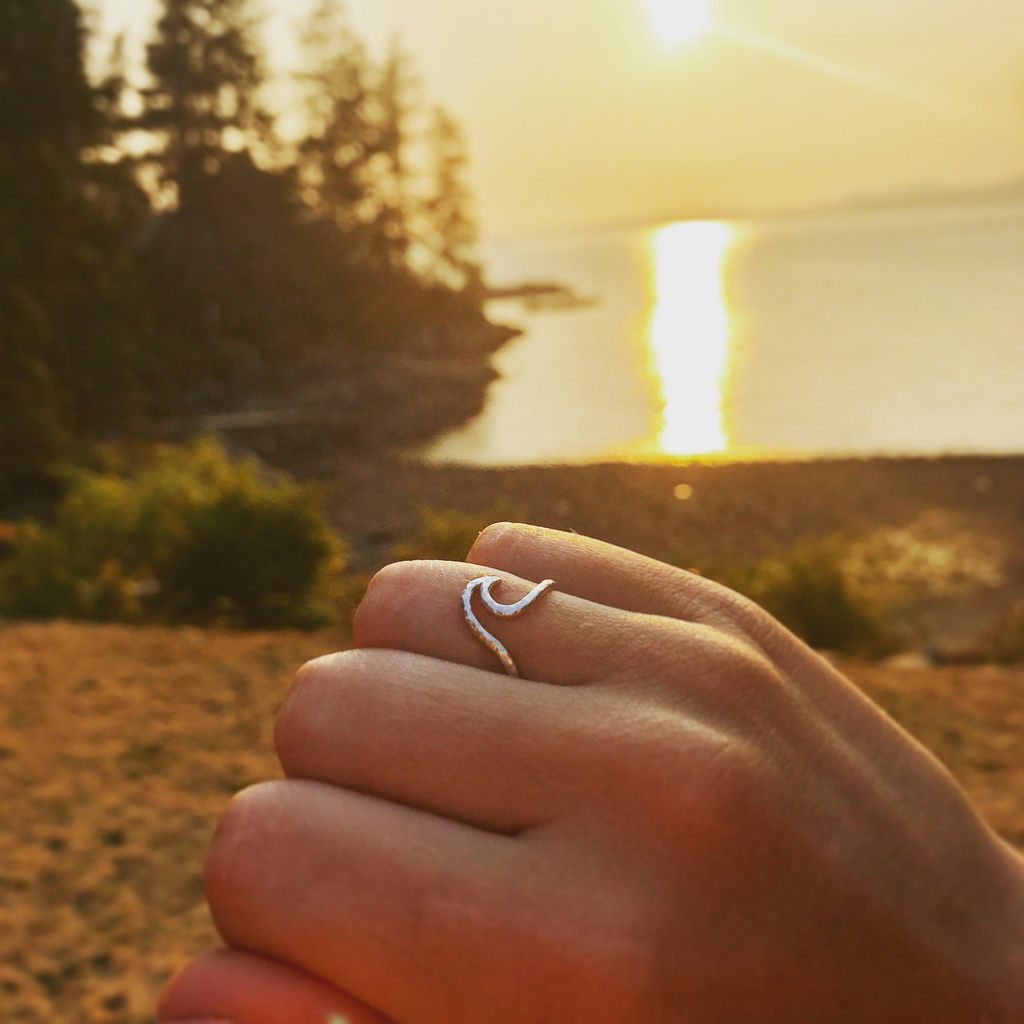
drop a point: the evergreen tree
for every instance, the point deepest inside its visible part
(395, 106)
(228, 264)
(108, 308)
(336, 158)
(206, 70)
(358, 176)
(453, 232)
(70, 327)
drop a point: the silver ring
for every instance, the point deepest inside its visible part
(506, 611)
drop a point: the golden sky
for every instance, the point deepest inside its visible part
(580, 112)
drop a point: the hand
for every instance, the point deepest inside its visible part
(680, 813)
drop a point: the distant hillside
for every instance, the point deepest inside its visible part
(926, 195)
(923, 195)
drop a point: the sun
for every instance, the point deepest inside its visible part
(681, 21)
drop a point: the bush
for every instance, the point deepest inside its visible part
(190, 536)
(809, 589)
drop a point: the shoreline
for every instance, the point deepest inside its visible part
(355, 400)
(966, 513)
(748, 508)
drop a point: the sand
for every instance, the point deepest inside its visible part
(120, 746)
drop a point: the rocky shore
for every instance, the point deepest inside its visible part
(701, 511)
(381, 398)
(962, 517)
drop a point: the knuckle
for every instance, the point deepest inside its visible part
(294, 722)
(712, 770)
(698, 655)
(496, 542)
(718, 793)
(309, 676)
(690, 647)
(733, 770)
(245, 822)
(744, 664)
(730, 784)
(741, 612)
(627, 747)
(683, 656)
(388, 596)
(303, 722)
(291, 725)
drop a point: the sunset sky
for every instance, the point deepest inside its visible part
(584, 112)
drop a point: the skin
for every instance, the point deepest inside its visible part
(680, 813)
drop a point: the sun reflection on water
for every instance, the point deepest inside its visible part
(690, 335)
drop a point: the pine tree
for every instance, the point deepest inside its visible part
(356, 175)
(453, 232)
(221, 261)
(203, 102)
(395, 96)
(336, 158)
(70, 326)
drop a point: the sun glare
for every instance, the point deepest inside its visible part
(681, 21)
(690, 335)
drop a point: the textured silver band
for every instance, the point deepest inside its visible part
(506, 611)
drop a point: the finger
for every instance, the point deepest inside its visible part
(233, 986)
(613, 576)
(446, 738)
(616, 577)
(735, 641)
(408, 912)
(417, 607)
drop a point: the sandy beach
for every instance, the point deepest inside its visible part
(121, 746)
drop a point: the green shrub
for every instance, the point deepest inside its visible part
(810, 590)
(190, 536)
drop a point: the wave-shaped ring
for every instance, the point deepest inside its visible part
(506, 611)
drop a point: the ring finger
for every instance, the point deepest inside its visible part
(562, 639)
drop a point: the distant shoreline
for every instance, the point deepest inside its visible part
(910, 201)
(541, 295)
(741, 509)
(704, 515)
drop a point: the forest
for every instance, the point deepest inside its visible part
(174, 235)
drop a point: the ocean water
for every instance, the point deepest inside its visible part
(893, 332)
